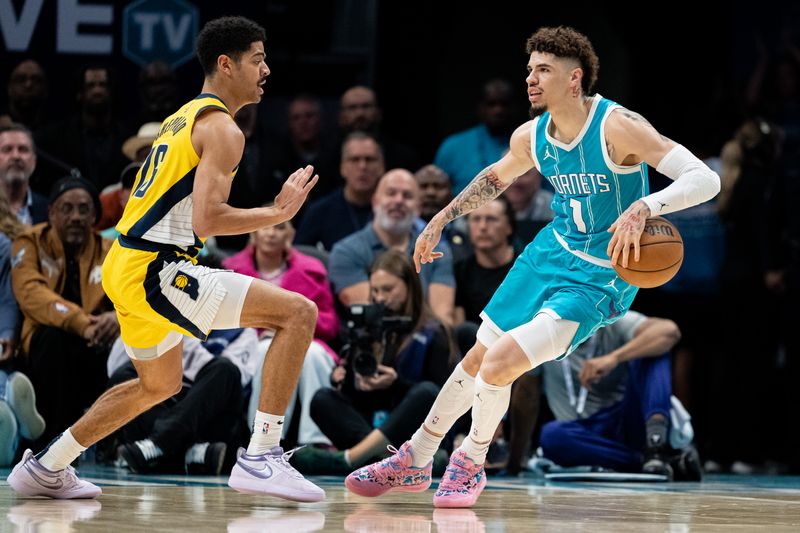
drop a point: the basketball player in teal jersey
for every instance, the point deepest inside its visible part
(563, 287)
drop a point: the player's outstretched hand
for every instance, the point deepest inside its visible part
(295, 191)
(627, 230)
(426, 242)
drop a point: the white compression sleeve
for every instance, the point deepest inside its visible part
(694, 183)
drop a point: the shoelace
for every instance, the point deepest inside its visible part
(284, 458)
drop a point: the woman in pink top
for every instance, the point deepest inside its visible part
(270, 256)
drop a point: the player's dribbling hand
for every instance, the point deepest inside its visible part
(426, 242)
(627, 230)
(295, 191)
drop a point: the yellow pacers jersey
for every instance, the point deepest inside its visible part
(158, 216)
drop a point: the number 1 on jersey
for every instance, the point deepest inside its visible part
(156, 156)
(577, 214)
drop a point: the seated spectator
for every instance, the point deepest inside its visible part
(137, 147)
(306, 144)
(270, 257)
(95, 133)
(197, 429)
(347, 209)
(18, 415)
(158, 92)
(616, 415)
(435, 193)
(464, 154)
(531, 205)
(367, 412)
(17, 163)
(113, 201)
(491, 233)
(27, 96)
(69, 323)
(359, 111)
(394, 226)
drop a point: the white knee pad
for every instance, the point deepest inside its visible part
(544, 338)
(486, 335)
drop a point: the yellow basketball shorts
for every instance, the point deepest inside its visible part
(161, 296)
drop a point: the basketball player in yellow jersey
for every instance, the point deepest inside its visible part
(160, 294)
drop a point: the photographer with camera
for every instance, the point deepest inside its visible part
(398, 356)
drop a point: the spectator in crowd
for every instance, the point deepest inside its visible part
(113, 201)
(17, 163)
(69, 324)
(306, 144)
(616, 415)
(365, 413)
(464, 154)
(531, 205)
(95, 134)
(435, 193)
(158, 92)
(27, 96)
(394, 226)
(359, 111)
(270, 257)
(347, 209)
(18, 415)
(193, 430)
(491, 234)
(137, 147)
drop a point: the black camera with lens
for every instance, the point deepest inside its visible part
(366, 326)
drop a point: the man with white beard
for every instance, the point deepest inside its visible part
(395, 224)
(17, 163)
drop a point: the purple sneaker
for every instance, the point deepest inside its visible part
(271, 474)
(32, 479)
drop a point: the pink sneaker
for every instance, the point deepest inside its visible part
(462, 483)
(394, 473)
(32, 479)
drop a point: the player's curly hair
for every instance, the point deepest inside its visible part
(563, 41)
(230, 36)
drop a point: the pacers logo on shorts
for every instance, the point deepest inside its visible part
(186, 283)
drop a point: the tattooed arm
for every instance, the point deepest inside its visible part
(486, 186)
(631, 140)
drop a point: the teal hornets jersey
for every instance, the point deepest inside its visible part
(591, 191)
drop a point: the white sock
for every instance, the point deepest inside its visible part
(453, 401)
(267, 430)
(60, 453)
(490, 404)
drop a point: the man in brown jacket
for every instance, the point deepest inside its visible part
(69, 324)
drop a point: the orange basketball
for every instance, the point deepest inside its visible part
(660, 257)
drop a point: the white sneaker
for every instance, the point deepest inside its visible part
(271, 474)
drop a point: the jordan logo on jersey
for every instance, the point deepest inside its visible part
(186, 283)
(547, 153)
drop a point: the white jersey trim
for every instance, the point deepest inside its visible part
(605, 263)
(533, 145)
(604, 147)
(595, 100)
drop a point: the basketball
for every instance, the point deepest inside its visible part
(661, 255)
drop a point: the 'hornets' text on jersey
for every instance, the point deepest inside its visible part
(591, 190)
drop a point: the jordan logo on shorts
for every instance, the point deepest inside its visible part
(186, 283)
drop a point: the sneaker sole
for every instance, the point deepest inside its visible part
(460, 502)
(355, 488)
(250, 486)
(22, 399)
